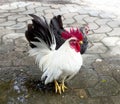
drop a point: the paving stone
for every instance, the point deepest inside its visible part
(7, 41)
(30, 11)
(40, 9)
(107, 15)
(21, 48)
(83, 11)
(82, 23)
(118, 43)
(24, 61)
(114, 61)
(80, 18)
(93, 26)
(96, 37)
(50, 15)
(5, 63)
(110, 41)
(14, 4)
(72, 9)
(97, 48)
(5, 15)
(21, 41)
(14, 17)
(0, 41)
(4, 11)
(17, 26)
(68, 21)
(36, 3)
(8, 73)
(74, 25)
(103, 68)
(23, 4)
(69, 98)
(116, 73)
(4, 31)
(115, 32)
(90, 19)
(70, 15)
(81, 93)
(54, 6)
(8, 6)
(6, 48)
(76, 6)
(45, 4)
(103, 29)
(113, 51)
(24, 18)
(61, 12)
(21, 30)
(7, 23)
(90, 59)
(12, 55)
(51, 10)
(40, 14)
(94, 13)
(32, 6)
(12, 36)
(17, 10)
(64, 8)
(102, 21)
(114, 23)
(2, 20)
(94, 101)
(71, 5)
(116, 99)
(87, 8)
(106, 87)
(106, 100)
(84, 79)
(2, 27)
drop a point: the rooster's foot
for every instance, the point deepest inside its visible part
(57, 87)
(63, 87)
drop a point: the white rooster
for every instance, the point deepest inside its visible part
(57, 65)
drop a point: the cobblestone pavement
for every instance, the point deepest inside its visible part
(99, 79)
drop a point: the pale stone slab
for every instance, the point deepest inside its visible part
(103, 29)
(110, 41)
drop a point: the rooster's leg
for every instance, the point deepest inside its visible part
(62, 85)
(57, 87)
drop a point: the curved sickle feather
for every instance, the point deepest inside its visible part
(40, 29)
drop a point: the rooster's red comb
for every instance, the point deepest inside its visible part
(72, 33)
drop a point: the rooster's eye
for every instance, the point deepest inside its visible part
(73, 40)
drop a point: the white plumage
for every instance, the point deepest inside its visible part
(57, 64)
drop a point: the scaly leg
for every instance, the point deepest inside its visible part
(62, 85)
(57, 87)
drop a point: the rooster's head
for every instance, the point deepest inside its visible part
(75, 38)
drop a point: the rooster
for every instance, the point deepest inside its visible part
(57, 25)
(57, 64)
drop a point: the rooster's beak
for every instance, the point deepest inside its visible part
(81, 42)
